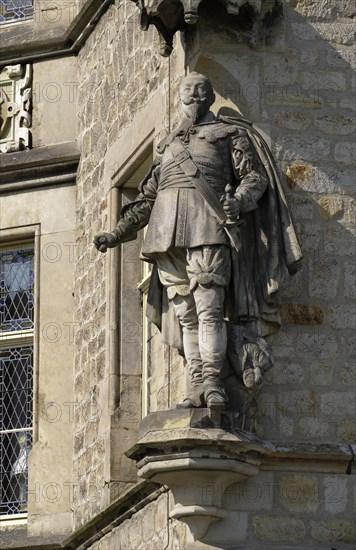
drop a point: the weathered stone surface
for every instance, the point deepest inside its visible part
(302, 314)
(349, 279)
(310, 236)
(296, 402)
(318, 346)
(337, 33)
(292, 95)
(292, 120)
(231, 530)
(321, 374)
(304, 147)
(281, 70)
(330, 207)
(333, 530)
(325, 9)
(335, 124)
(347, 103)
(324, 277)
(343, 58)
(296, 173)
(347, 375)
(320, 177)
(339, 241)
(288, 373)
(279, 528)
(346, 430)
(336, 494)
(313, 428)
(252, 494)
(337, 404)
(342, 316)
(299, 493)
(323, 81)
(345, 152)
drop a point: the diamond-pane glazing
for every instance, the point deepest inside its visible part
(16, 373)
(14, 10)
(16, 290)
(14, 449)
(16, 376)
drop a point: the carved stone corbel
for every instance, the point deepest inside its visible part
(171, 16)
(188, 451)
(15, 100)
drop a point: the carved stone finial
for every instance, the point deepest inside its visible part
(171, 16)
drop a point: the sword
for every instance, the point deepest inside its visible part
(231, 224)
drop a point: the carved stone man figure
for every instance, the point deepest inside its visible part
(219, 234)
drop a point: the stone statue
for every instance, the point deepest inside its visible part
(222, 243)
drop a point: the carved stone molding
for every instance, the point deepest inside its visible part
(171, 16)
(187, 450)
(15, 100)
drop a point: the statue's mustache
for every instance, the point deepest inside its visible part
(192, 100)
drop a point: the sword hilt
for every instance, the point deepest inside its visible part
(229, 194)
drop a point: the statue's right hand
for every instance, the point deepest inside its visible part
(103, 241)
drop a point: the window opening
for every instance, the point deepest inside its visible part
(15, 10)
(16, 374)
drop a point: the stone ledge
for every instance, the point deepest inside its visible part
(200, 430)
(16, 538)
(23, 43)
(123, 508)
(43, 166)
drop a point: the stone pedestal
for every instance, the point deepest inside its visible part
(190, 452)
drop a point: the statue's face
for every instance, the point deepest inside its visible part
(196, 96)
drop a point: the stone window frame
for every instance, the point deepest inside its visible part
(122, 180)
(124, 376)
(13, 237)
(143, 287)
(124, 155)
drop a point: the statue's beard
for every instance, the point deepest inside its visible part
(195, 109)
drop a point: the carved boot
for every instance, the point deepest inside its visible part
(212, 343)
(214, 392)
(195, 395)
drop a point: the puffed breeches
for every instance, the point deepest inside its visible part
(196, 280)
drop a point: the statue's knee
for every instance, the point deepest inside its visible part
(185, 310)
(210, 303)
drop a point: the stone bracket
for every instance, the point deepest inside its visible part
(196, 463)
(171, 16)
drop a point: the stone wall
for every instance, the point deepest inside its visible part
(148, 529)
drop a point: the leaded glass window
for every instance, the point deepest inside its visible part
(16, 374)
(15, 10)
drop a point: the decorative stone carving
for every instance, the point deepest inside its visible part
(171, 16)
(190, 453)
(222, 241)
(15, 100)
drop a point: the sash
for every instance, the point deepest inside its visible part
(183, 158)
